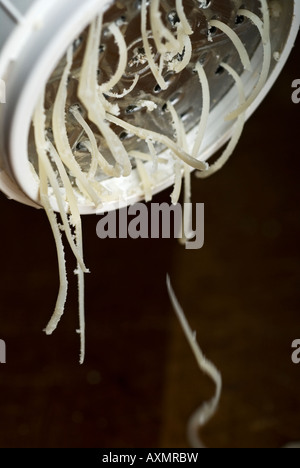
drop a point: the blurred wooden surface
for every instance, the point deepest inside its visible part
(140, 384)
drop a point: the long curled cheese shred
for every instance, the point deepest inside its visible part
(90, 95)
(203, 415)
(237, 131)
(235, 40)
(263, 28)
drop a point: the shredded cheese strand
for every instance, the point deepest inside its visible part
(146, 157)
(238, 128)
(39, 120)
(187, 187)
(158, 137)
(94, 163)
(153, 154)
(123, 57)
(71, 198)
(188, 232)
(47, 172)
(263, 30)
(187, 50)
(183, 19)
(235, 40)
(178, 164)
(126, 91)
(78, 233)
(160, 32)
(201, 417)
(105, 167)
(205, 109)
(266, 20)
(88, 92)
(56, 189)
(178, 182)
(146, 182)
(60, 132)
(88, 84)
(80, 274)
(154, 69)
(74, 209)
(161, 64)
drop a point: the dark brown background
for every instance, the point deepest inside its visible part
(139, 384)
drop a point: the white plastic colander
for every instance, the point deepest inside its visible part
(34, 37)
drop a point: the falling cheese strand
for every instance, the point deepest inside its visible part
(208, 409)
(76, 219)
(56, 189)
(81, 270)
(80, 274)
(46, 172)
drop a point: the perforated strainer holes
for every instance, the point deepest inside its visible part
(203, 59)
(77, 43)
(124, 136)
(220, 70)
(176, 98)
(132, 108)
(204, 4)
(239, 19)
(187, 115)
(212, 30)
(173, 18)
